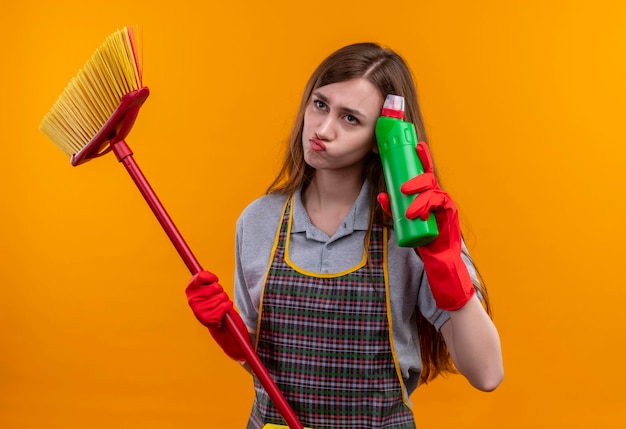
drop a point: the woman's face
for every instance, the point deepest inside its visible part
(339, 123)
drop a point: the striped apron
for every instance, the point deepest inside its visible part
(325, 339)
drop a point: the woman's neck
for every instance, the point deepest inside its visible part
(329, 198)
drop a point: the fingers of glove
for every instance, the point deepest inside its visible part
(203, 291)
(425, 203)
(419, 183)
(385, 204)
(209, 303)
(423, 154)
(215, 317)
(211, 295)
(204, 278)
(211, 312)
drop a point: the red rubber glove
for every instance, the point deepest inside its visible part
(210, 303)
(449, 279)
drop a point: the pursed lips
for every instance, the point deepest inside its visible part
(317, 145)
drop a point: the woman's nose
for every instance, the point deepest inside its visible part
(326, 128)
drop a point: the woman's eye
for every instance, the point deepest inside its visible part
(352, 119)
(319, 104)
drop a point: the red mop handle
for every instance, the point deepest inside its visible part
(124, 155)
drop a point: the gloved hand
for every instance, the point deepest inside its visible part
(447, 274)
(210, 303)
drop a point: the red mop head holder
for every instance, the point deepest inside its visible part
(115, 129)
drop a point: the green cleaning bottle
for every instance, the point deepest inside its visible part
(396, 145)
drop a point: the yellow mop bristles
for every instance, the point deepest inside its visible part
(95, 92)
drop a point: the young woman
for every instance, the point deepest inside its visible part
(346, 321)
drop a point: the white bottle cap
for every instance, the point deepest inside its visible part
(394, 106)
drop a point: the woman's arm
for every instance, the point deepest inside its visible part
(474, 345)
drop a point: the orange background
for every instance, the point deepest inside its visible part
(524, 106)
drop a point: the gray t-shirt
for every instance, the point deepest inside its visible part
(313, 251)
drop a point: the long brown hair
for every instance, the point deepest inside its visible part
(390, 74)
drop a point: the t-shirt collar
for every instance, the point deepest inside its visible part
(357, 219)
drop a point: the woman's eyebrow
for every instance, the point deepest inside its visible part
(348, 110)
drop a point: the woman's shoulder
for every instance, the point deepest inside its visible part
(262, 208)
